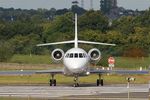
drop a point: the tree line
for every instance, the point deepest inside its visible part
(21, 30)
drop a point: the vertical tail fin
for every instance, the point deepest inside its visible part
(76, 32)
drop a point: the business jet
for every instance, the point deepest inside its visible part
(76, 61)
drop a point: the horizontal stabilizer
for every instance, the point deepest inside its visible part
(55, 43)
(98, 43)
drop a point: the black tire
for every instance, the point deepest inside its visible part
(50, 83)
(54, 83)
(102, 82)
(76, 85)
(98, 82)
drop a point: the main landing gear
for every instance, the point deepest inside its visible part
(52, 81)
(76, 84)
(100, 81)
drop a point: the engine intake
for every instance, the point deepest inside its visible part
(94, 54)
(58, 54)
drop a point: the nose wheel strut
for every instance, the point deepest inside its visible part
(76, 84)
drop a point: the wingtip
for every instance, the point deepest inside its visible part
(38, 45)
(114, 45)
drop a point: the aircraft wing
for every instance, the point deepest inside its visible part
(131, 71)
(119, 71)
(50, 71)
(17, 72)
(30, 72)
(99, 71)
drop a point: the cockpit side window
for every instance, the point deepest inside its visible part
(71, 55)
(83, 55)
(80, 55)
(67, 55)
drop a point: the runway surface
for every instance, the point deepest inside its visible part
(114, 92)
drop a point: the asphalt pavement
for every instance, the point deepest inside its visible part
(110, 92)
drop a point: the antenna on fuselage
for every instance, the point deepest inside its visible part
(76, 31)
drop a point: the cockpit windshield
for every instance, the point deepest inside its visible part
(76, 55)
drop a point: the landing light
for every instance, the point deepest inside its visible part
(141, 68)
(87, 73)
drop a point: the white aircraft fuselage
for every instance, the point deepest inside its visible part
(76, 61)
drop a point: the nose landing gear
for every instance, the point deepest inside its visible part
(76, 84)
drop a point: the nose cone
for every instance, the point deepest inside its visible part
(76, 65)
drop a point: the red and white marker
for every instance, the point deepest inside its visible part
(111, 60)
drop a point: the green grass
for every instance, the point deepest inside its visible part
(44, 79)
(34, 59)
(126, 62)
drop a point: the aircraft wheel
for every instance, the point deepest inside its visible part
(50, 83)
(54, 83)
(102, 82)
(76, 85)
(98, 82)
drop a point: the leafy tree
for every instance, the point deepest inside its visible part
(115, 37)
(134, 52)
(124, 25)
(94, 20)
(60, 26)
(78, 10)
(143, 19)
(25, 44)
(92, 35)
(6, 51)
(62, 11)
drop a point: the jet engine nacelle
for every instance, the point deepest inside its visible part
(57, 55)
(94, 54)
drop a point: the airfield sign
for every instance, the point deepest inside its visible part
(111, 62)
